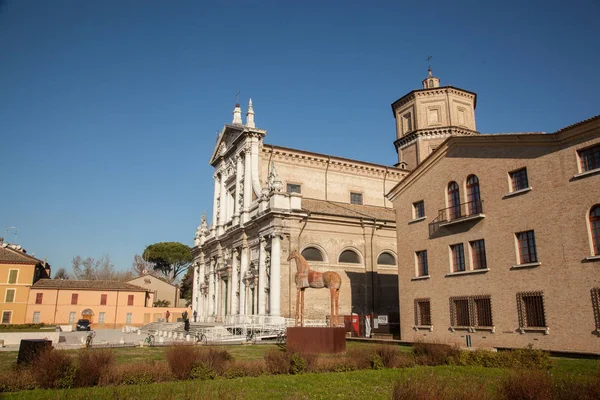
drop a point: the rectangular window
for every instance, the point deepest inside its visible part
(527, 249)
(39, 297)
(103, 299)
(12, 275)
(101, 317)
(419, 209)
(130, 300)
(72, 317)
(471, 311)
(293, 188)
(530, 307)
(589, 158)
(74, 298)
(422, 266)
(518, 179)
(458, 257)
(478, 254)
(407, 122)
(6, 316)
(356, 198)
(9, 296)
(36, 317)
(128, 321)
(422, 312)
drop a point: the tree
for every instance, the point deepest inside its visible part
(187, 286)
(102, 269)
(61, 273)
(140, 266)
(172, 258)
(162, 303)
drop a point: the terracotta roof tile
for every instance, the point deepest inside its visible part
(8, 255)
(81, 284)
(348, 210)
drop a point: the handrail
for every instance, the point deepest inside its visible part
(462, 210)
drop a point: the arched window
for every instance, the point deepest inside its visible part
(473, 197)
(386, 258)
(350, 257)
(453, 201)
(312, 254)
(595, 228)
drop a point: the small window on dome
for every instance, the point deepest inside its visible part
(312, 254)
(350, 257)
(386, 259)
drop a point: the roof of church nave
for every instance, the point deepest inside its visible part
(326, 207)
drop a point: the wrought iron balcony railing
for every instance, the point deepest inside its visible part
(460, 212)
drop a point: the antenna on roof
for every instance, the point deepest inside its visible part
(8, 228)
(237, 97)
(429, 62)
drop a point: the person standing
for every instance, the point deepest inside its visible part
(195, 315)
(167, 315)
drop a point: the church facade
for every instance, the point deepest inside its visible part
(270, 200)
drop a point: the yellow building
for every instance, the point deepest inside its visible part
(18, 271)
(107, 304)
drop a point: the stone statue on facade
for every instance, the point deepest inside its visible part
(306, 277)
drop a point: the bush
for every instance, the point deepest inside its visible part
(277, 362)
(435, 354)
(202, 372)
(430, 386)
(134, 374)
(341, 364)
(182, 360)
(15, 379)
(92, 364)
(54, 369)
(213, 358)
(525, 358)
(527, 384)
(311, 360)
(297, 364)
(361, 356)
(576, 387)
(376, 362)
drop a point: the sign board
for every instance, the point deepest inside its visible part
(382, 319)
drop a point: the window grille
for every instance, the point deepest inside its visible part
(422, 312)
(356, 198)
(531, 310)
(293, 188)
(471, 311)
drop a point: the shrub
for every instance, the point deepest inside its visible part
(527, 384)
(430, 386)
(435, 354)
(134, 374)
(54, 369)
(202, 372)
(361, 356)
(213, 358)
(277, 362)
(576, 387)
(15, 379)
(92, 363)
(297, 364)
(182, 360)
(376, 362)
(311, 360)
(340, 364)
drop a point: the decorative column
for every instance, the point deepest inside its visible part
(262, 278)
(216, 205)
(254, 140)
(233, 284)
(275, 289)
(195, 287)
(201, 298)
(217, 299)
(236, 200)
(243, 269)
(211, 289)
(223, 205)
(247, 184)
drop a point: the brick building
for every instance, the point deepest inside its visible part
(498, 235)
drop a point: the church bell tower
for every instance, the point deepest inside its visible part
(426, 117)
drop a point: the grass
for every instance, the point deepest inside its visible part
(357, 384)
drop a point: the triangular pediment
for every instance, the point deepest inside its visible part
(225, 141)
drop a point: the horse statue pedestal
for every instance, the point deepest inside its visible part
(316, 339)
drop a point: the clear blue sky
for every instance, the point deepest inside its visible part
(108, 109)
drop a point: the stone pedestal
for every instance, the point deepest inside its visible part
(316, 339)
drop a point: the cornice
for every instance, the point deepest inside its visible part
(338, 164)
(430, 133)
(433, 91)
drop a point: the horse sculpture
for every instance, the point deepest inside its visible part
(305, 277)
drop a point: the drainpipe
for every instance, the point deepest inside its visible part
(56, 305)
(116, 307)
(384, 180)
(373, 270)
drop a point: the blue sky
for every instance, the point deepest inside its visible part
(109, 109)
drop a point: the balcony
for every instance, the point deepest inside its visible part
(461, 213)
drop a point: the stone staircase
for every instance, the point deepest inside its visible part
(162, 326)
